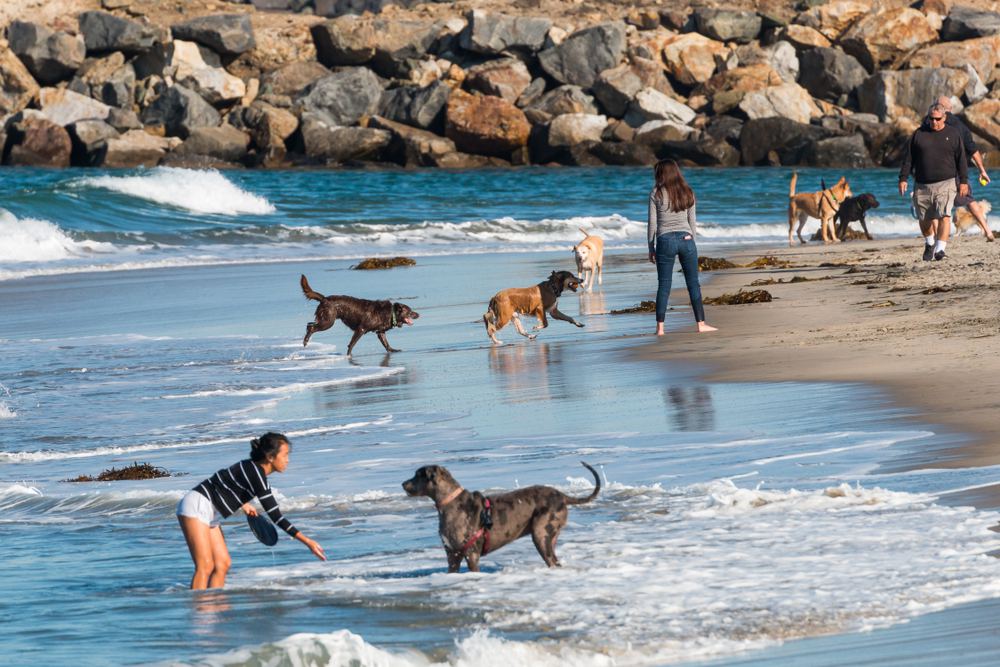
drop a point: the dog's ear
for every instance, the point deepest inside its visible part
(431, 473)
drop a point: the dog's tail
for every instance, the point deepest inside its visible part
(309, 291)
(597, 489)
(585, 232)
(490, 317)
(791, 187)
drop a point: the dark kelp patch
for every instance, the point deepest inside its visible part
(383, 263)
(134, 471)
(715, 264)
(643, 307)
(741, 297)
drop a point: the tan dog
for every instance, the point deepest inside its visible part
(964, 220)
(508, 304)
(822, 205)
(471, 525)
(589, 259)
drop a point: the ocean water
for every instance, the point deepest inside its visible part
(155, 316)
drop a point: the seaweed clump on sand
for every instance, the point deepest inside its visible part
(134, 471)
(714, 264)
(741, 297)
(643, 307)
(383, 263)
(781, 281)
(769, 261)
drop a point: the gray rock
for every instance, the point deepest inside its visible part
(564, 99)
(64, 107)
(885, 92)
(841, 152)
(650, 104)
(965, 22)
(226, 34)
(412, 147)
(224, 143)
(585, 54)
(705, 152)
(293, 78)
(727, 25)
(419, 107)
(37, 142)
(575, 128)
(333, 143)
(783, 139)
(400, 45)
(615, 88)
(494, 34)
(532, 93)
(623, 154)
(345, 96)
(135, 148)
(119, 89)
(180, 110)
(105, 32)
(123, 120)
(344, 41)
(89, 137)
(49, 56)
(830, 74)
(724, 128)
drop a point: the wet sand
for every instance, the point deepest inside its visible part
(871, 312)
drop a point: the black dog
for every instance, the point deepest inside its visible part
(361, 315)
(854, 208)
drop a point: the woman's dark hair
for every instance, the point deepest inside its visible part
(670, 182)
(267, 446)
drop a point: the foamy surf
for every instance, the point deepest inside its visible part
(197, 190)
(34, 240)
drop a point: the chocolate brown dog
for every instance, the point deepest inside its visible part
(361, 315)
(853, 209)
(471, 525)
(508, 304)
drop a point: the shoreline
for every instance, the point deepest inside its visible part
(878, 315)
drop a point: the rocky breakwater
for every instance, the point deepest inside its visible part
(836, 84)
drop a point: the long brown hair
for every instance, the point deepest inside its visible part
(670, 181)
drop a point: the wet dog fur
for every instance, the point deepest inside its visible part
(821, 205)
(963, 219)
(589, 254)
(510, 303)
(853, 209)
(360, 315)
(539, 511)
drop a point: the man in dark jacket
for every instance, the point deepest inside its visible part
(976, 159)
(937, 157)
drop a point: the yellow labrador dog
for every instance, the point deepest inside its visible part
(822, 205)
(589, 259)
(964, 220)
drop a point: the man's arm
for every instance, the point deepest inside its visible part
(904, 169)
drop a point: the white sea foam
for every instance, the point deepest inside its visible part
(285, 389)
(6, 412)
(33, 240)
(196, 190)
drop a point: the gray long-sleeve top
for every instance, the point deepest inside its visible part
(662, 220)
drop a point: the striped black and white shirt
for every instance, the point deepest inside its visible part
(231, 487)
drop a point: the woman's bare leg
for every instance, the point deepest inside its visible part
(220, 557)
(199, 542)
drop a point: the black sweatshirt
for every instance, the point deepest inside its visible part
(935, 156)
(231, 487)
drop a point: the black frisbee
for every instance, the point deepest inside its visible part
(263, 530)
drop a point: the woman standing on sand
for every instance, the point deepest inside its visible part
(671, 231)
(202, 510)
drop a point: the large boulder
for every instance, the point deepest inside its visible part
(135, 148)
(180, 110)
(400, 46)
(692, 58)
(982, 53)
(64, 107)
(336, 144)
(345, 40)
(413, 147)
(17, 87)
(494, 34)
(226, 34)
(655, 132)
(268, 125)
(293, 78)
(49, 56)
(833, 18)
(485, 125)
(883, 38)
(623, 154)
(585, 54)
(965, 22)
(777, 140)
(650, 104)
(225, 143)
(562, 100)
(727, 25)
(345, 96)
(104, 32)
(37, 142)
(198, 68)
(416, 106)
(893, 95)
(984, 118)
(727, 89)
(89, 137)
(789, 100)
(576, 128)
(615, 88)
(830, 74)
(779, 57)
(803, 38)
(504, 77)
(706, 152)
(840, 152)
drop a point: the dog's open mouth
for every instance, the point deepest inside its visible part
(408, 320)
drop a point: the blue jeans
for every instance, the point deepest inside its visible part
(668, 246)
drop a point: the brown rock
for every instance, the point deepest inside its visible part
(293, 78)
(17, 87)
(485, 125)
(984, 118)
(506, 78)
(38, 142)
(803, 37)
(136, 148)
(833, 18)
(982, 53)
(882, 38)
(691, 58)
(726, 89)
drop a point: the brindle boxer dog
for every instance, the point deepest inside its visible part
(470, 525)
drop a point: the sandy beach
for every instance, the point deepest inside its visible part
(871, 312)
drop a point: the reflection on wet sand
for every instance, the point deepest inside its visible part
(530, 372)
(210, 609)
(592, 303)
(692, 408)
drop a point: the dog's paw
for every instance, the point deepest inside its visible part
(532, 336)
(579, 324)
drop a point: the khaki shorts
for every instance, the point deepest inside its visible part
(934, 200)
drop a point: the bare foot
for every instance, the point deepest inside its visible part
(705, 328)
(659, 330)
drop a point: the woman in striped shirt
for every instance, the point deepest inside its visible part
(202, 510)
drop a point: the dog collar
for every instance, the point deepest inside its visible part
(451, 496)
(392, 309)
